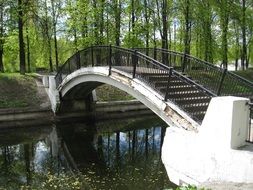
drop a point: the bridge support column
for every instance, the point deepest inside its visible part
(217, 153)
(90, 101)
(53, 94)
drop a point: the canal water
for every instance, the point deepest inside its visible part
(113, 154)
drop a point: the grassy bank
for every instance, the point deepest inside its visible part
(110, 93)
(17, 91)
(248, 74)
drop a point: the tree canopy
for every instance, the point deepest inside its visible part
(43, 34)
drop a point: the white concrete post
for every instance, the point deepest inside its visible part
(53, 93)
(226, 121)
(218, 152)
(52, 83)
(45, 81)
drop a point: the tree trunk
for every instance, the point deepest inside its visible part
(147, 35)
(154, 31)
(56, 48)
(1, 37)
(75, 40)
(55, 34)
(117, 14)
(208, 42)
(27, 156)
(164, 31)
(118, 148)
(244, 43)
(133, 20)
(96, 22)
(133, 145)
(146, 143)
(197, 44)
(237, 51)
(175, 35)
(48, 39)
(28, 50)
(21, 38)
(50, 56)
(224, 31)
(101, 21)
(187, 35)
(224, 44)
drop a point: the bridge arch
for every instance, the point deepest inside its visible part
(184, 92)
(92, 77)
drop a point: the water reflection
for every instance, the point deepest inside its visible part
(111, 155)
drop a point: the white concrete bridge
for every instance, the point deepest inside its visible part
(206, 140)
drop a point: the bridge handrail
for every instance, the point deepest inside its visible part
(177, 53)
(132, 61)
(132, 52)
(216, 79)
(250, 134)
(200, 87)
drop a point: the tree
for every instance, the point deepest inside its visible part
(243, 26)
(204, 19)
(46, 28)
(21, 37)
(55, 6)
(117, 7)
(187, 29)
(1, 35)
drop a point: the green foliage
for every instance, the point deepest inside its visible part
(11, 52)
(79, 24)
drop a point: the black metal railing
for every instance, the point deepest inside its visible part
(137, 64)
(216, 79)
(250, 132)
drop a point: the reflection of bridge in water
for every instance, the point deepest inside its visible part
(182, 90)
(127, 150)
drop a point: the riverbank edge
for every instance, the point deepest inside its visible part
(19, 117)
(44, 116)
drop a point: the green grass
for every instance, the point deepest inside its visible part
(17, 91)
(110, 93)
(248, 74)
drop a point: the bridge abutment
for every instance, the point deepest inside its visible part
(218, 153)
(53, 94)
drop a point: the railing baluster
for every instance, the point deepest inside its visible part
(110, 60)
(69, 66)
(155, 55)
(78, 61)
(92, 59)
(250, 136)
(221, 81)
(168, 85)
(134, 62)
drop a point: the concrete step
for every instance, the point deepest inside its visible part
(179, 88)
(195, 108)
(199, 115)
(179, 96)
(197, 100)
(172, 83)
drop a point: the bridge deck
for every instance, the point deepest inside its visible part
(191, 89)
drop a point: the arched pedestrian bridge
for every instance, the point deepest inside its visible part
(182, 90)
(170, 82)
